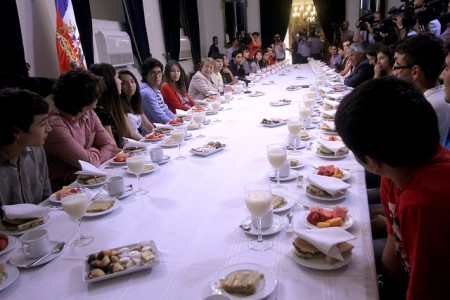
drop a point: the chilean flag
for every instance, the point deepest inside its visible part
(68, 44)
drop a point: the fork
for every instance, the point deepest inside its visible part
(300, 181)
(289, 227)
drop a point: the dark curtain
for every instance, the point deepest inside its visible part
(12, 64)
(192, 28)
(83, 17)
(170, 17)
(134, 14)
(275, 16)
(330, 12)
(240, 16)
(230, 27)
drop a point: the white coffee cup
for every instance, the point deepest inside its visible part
(114, 185)
(156, 154)
(35, 243)
(285, 170)
(266, 220)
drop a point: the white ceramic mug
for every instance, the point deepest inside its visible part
(285, 170)
(156, 154)
(114, 185)
(35, 243)
(266, 220)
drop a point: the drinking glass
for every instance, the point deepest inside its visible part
(277, 154)
(294, 126)
(75, 206)
(304, 112)
(199, 117)
(136, 164)
(228, 96)
(216, 106)
(258, 199)
(178, 135)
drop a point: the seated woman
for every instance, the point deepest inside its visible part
(152, 100)
(174, 89)
(109, 110)
(257, 63)
(265, 60)
(385, 62)
(23, 130)
(204, 81)
(77, 133)
(131, 100)
(227, 76)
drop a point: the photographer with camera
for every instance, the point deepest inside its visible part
(279, 47)
(368, 28)
(342, 33)
(303, 47)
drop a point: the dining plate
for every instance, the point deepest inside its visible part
(168, 143)
(280, 103)
(53, 199)
(346, 176)
(102, 182)
(289, 202)
(256, 94)
(12, 242)
(19, 232)
(100, 213)
(292, 175)
(148, 168)
(21, 261)
(265, 287)
(207, 153)
(301, 145)
(329, 132)
(277, 225)
(152, 140)
(10, 274)
(342, 196)
(279, 123)
(318, 263)
(331, 156)
(165, 159)
(300, 164)
(132, 269)
(111, 161)
(348, 221)
(270, 82)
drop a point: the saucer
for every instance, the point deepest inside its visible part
(10, 274)
(276, 227)
(165, 159)
(292, 175)
(21, 261)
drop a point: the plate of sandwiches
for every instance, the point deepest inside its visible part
(246, 280)
(20, 226)
(309, 256)
(67, 191)
(281, 204)
(324, 152)
(101, 207)
(325, 217)
(324, 128)
(91, 180)
(320, 194)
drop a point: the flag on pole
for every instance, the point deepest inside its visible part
(68, 44)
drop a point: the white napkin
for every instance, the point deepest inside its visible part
(164, 126)
(24, 211)
(132, 143)
(331, 185)
(332, 103)
(326, 239)
(335, 96)
(331, 125)
(331, 113)
(181, 113)
(90, 169)
(334, 146)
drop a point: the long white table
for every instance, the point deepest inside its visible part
(193, 213)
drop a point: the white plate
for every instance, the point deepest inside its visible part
(320, 263)
(10, 274)
(152, 140)
(279, 103)
(311, 126)
(292, 176)
(343, 196)
(21, 261)
(331, 156)
(100, 213)
(6, 232)
(52, 197)
(287, 206)
(111, 161)
(274, 125)
(300, 165)
(270, 82)
(188, 136)
(92, 185)
(12, 242)
(210, 112)
(147, 168)
(348, 221)
(329, 132)
(207, 153)
(277, 225)
(315, 120)
(147, 265)
(257, 94)
(346, 176)
(165, 144)
(265, 288)
(165, 159)
(301, 145)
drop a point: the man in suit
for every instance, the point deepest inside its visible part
(362, 70)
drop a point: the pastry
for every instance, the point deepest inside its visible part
(100, 205)
(241, 282)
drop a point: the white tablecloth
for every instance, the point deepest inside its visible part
(193, 211)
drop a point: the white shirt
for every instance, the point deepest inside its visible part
(436, 97)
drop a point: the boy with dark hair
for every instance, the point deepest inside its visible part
(23, 164)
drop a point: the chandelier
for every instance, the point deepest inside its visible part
(307, 11)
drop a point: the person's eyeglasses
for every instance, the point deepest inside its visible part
(154, 74)
(397, 67)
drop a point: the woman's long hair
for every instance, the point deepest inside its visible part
(135, 104)
(180, 85)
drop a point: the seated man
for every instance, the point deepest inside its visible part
(374, 122)
(362, 70)
(23, 130)
(236, 66)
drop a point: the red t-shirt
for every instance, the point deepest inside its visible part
(419, 219)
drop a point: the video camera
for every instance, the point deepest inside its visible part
(366, 17)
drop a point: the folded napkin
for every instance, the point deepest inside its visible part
(164, 126)
(335, 96)
(89, 169)
(331, 103)
(331, 113)
(181, 113)
(331, 125)
(331, 185)
(334, 146)
(24, 211)
(132, 143)
(326, 239)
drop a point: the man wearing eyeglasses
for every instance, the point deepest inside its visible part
(419, 59)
